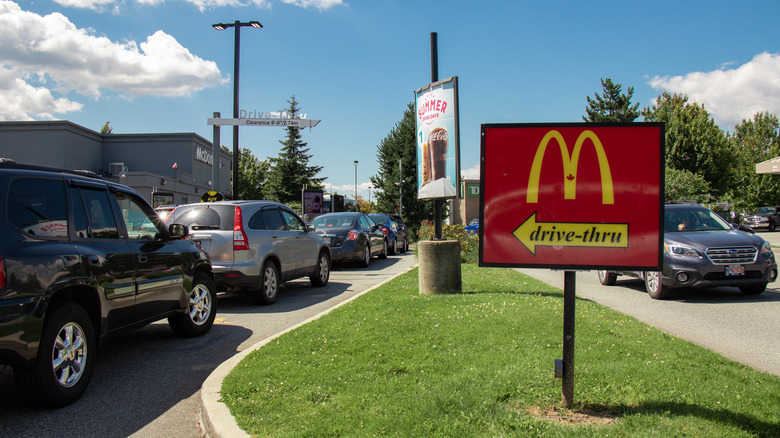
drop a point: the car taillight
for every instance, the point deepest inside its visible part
(384, 230)
(352, 235)
(2, 273)
(240, 241)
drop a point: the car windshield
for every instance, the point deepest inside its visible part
(330, 221)
(693, 219)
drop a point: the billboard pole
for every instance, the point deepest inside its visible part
(435, 78)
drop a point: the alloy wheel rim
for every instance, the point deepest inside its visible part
(270, 282)
(69, 355)
(200, 305)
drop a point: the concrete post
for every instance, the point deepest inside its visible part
(439, 266)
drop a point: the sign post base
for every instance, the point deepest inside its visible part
(439, 262)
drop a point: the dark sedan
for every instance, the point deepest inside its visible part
(397, 240)
(351, 237)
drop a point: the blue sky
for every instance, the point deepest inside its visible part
(158, 66)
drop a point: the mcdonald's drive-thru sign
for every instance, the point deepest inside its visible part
(572, 196)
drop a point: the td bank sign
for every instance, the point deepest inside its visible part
(572, 196)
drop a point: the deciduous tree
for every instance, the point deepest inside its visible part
(693, 142)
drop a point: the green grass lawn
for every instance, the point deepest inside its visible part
(397, 363)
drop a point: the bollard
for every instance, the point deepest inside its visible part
(439, 266)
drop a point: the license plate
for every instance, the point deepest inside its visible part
(735, 270)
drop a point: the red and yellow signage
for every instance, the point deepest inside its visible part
(572, 196)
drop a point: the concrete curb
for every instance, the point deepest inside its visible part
(216, 421)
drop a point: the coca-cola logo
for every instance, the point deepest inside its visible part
(438, 135)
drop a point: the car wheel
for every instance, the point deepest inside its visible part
(65, 361)
(756, 289)
(405, 246)
(772, 226)
(383, 253)
(394, 246)
(655, 286)
(607, 278)
(366, 255)
(269, 284)
(202, 309)
(322, 274)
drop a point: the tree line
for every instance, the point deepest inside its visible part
(703, 162)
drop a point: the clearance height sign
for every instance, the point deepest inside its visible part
(572, 196)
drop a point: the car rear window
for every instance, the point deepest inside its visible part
(204, 217)
(37, 207)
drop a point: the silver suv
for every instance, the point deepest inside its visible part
(255, 245)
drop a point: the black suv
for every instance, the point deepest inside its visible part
(83, 259)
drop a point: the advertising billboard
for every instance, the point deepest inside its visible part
(313, 201)
(438, 139)
(572, 196)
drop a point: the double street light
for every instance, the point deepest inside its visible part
(237, 25)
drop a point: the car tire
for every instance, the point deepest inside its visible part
(405, 246)
(383, 253)
(366, 256)
(201, 310)
(394, 246)
(66, 357)
(322, 273)
(269, 284)
(607, 278)
(772, 226)
(756, 289)
(655, 285)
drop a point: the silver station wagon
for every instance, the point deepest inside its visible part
(255, 246)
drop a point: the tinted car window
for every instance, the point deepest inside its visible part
(366, 222)
(37, 207)
(293, 223)
(100, 217)
(138, 223)
(256, 222)
(272, 219)
(214, 217)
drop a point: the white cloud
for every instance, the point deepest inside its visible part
(202, 5)
(319, 4)
(95, 5)
(471, 172)
(65, 58)
(22, 101)
(731, 95)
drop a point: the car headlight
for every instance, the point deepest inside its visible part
(681, 250)
(766, 248)
(763, 219)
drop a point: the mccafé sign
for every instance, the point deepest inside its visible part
(572, 196)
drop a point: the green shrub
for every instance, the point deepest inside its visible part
(469, 243)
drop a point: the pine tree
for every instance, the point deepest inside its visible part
(611, 106)
(400, 144)
(289, 171)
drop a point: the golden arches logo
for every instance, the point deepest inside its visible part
(570, 167)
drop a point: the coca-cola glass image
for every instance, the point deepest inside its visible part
(437, 143)
(426, 164)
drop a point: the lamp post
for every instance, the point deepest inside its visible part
(236, 51)
(369, 195)
(356, 163)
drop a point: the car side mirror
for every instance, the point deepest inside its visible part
(178, 231)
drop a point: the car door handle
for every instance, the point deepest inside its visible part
(142, 258)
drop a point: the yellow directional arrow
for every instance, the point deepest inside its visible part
(596, 235)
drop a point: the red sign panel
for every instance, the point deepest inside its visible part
(572, 196)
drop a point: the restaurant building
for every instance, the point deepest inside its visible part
(164, 168)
